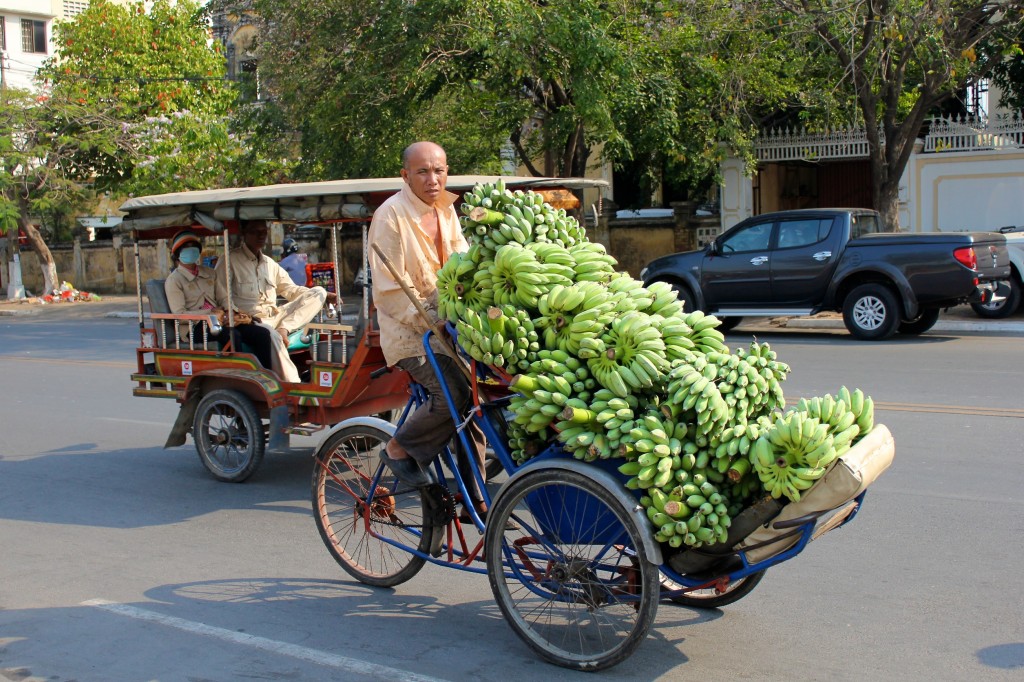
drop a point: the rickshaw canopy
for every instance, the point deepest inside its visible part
(159, 215)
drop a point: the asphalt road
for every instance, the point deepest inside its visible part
(120, 560)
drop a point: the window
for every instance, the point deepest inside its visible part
(751, 238)
(861, 225)
(794, 233)
(33, 36)
(72, 8)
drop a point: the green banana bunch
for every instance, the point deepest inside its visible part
(792, 454)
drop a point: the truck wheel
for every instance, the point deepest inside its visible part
(920, 324)
(685, 295)
(229, 435)
(728, 323)
(871, 312)
(1011, 289)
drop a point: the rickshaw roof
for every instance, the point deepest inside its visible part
(331, 200)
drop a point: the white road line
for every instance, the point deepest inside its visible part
(131, 421)
(323, 658)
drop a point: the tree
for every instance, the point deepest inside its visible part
(898, 60)
(558, 80)
(42, 140)
(156, 74)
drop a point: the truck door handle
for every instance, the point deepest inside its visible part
(822, 255)
(759, 260)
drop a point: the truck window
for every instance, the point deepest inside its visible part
(861, 225)
(750, 238)
(794, 233)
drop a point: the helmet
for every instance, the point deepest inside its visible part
(183, 238)
(288, 247)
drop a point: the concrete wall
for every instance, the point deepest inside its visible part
(109, 267)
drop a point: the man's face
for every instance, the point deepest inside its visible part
(426, 172)
(255, 236)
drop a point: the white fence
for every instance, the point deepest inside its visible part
(971, 134)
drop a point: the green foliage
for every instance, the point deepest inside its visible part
(164, 87)
(143, 63)
(635, 81)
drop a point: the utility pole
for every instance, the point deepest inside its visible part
(3, 70)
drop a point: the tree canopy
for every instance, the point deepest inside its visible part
(561, 82)
(157, 75)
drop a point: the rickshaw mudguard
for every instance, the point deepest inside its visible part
(609, 483)
(376, 422)
(259, 382)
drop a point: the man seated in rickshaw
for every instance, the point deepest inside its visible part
(190, 289)
(257, 281)
(418, 230)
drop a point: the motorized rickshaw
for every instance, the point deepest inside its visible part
(235, 409)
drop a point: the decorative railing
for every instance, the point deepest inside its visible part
(974, 134)
(944, 135)
(799, 144)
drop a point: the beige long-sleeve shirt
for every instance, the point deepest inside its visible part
(188, 293)
(403, 228)
(256, 282)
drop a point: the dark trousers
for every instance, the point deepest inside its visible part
(429, 428)
(256, 337)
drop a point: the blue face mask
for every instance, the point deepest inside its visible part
(189, 255)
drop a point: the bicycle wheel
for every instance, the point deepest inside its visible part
(570, 574)
(711, 597)
(357, 533)
(229, 435)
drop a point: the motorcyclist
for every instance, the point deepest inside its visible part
(294, 261)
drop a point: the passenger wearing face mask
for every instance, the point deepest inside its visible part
(190, 289)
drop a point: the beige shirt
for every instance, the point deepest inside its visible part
(256, 282)
(401, 228)
(187, 293)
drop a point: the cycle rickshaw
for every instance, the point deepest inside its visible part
(573, 563)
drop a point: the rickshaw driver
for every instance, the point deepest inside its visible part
(256, 282)
(418, 230)
(190, 289)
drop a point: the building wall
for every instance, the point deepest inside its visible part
(963, 191)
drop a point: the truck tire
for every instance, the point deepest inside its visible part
(871, 312)
(920, 324)
(1011, 289)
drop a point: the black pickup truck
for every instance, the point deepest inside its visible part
(803, 262)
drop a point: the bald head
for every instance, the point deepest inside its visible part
(425, 170)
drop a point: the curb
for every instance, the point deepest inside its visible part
(941, 325)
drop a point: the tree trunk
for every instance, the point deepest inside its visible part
(887, 203)
(46, 264)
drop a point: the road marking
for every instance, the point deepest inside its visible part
(131, 421)
(351, 665)
(65, 361)
(966, 410)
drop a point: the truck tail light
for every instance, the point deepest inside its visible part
(967, 257)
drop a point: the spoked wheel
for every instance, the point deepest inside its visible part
(357, 528)
(229, 435)
(568, 569)
(711, 597)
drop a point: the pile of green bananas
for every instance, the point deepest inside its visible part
(609, 368)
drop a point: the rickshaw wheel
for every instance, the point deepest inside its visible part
(711, 597)
(570, 574)
(229, 435)
(356, 528)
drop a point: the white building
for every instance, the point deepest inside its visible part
(26, 36)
